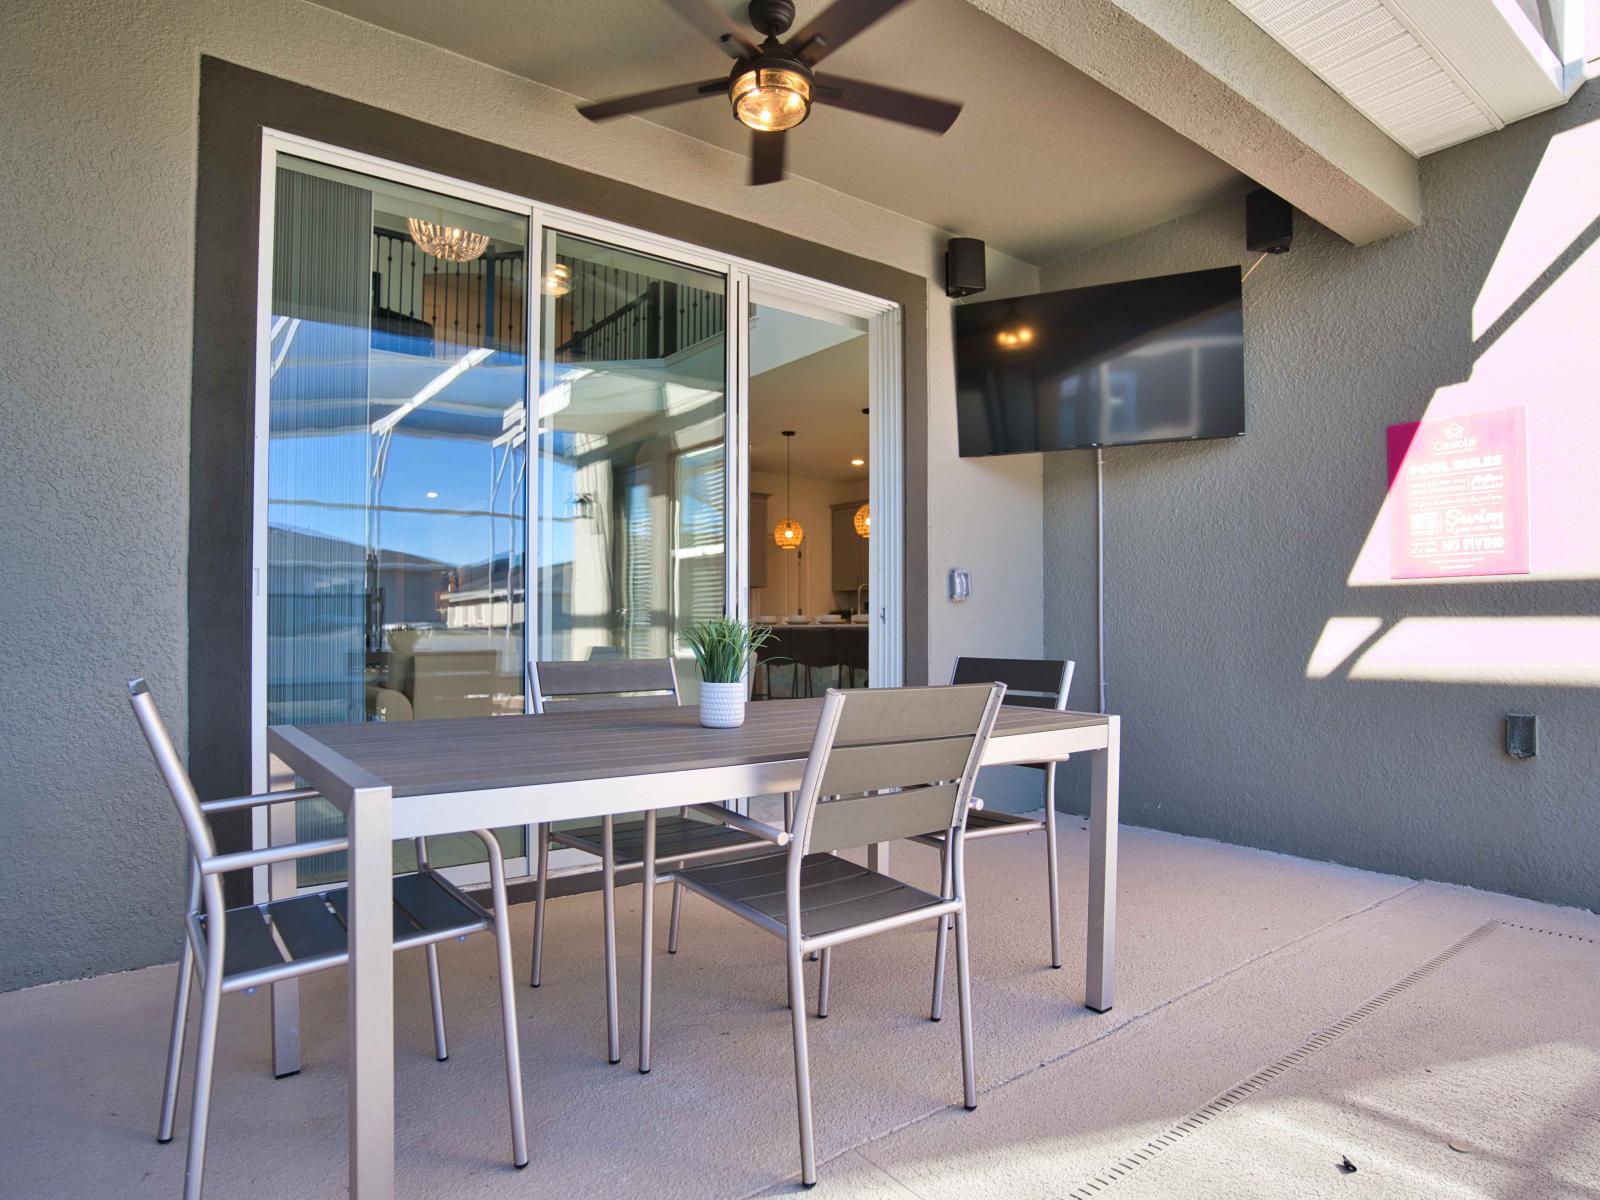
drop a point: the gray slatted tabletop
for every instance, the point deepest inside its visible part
(482, 753)
(412, 779)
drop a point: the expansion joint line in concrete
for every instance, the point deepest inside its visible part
(1243, 1090)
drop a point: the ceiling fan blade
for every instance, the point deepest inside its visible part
(716, 25)
(836, 25)
(681, 93)
(892, 104)
(766, 157)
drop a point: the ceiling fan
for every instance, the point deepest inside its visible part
(773, 85)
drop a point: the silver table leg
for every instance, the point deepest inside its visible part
(1103, 800)
(371, 984)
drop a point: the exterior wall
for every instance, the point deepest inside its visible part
(1229, 563)
(97, 189)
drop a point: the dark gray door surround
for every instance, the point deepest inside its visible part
(235, 105)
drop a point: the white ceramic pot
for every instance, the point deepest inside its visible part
(722, 705)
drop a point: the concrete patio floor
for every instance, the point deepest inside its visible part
(1274, 1015)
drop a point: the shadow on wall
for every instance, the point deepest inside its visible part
(1280, 686)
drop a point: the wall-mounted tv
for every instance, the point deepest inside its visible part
(1152, 360)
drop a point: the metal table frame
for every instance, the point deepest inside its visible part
(377, 817)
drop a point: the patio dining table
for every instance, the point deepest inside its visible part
(427, 778)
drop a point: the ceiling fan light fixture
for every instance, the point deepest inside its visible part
(771, 98)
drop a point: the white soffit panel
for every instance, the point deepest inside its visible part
(1429, 73)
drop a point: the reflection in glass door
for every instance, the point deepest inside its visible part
(632, 426)
(396, 463)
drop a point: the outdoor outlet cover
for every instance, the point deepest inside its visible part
(1522, 735)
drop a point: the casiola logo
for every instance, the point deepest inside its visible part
(1455, 438)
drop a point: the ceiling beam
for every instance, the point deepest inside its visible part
(1209, 72)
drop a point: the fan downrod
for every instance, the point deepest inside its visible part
(772, 17)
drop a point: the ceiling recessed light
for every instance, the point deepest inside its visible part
(858, 462)
(433, 495)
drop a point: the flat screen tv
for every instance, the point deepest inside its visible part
(1152, 360)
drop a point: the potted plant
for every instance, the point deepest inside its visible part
(725, 651)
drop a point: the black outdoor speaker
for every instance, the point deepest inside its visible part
(1268, 222)
(963, 267)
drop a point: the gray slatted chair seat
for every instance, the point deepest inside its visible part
(312, 928)
(678, 839)
(835, 893)
(982, 823)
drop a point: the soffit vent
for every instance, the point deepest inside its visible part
(1429, 73)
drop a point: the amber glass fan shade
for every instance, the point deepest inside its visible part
(771, 98)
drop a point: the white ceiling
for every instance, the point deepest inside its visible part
(1042, 162)
(1429, 73)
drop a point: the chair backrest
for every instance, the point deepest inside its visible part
(892, 763)
(603, 683)
(1030, 682)
(201, 843)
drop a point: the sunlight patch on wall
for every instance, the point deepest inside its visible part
(1341, 637)
(1536, 348)
(1534, 651)
(1555, 211)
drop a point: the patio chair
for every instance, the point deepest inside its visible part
(260, 944)
(1030, 683)
(601, 684)
(884, 764)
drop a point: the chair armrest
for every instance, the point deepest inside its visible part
(235, 803)
(744, 824)
(244, 859)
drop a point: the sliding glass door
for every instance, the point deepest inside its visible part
(490, 432)
(632, 453)
(396, 467)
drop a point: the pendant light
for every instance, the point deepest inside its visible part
(446, 241)
(787, 532)
(863, 521)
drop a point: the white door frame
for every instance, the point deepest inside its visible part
(886, 578)
(885, 448)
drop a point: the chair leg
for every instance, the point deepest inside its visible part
(508, 999)
(608, 905)
(441, 1049)
(180, 1019)
(647, 940)
(942, 937)
(538, 902)
(677, 914)
(205, 1061)
(969, 1083)
(1051, 869)
(824, 981)
(802, 1066)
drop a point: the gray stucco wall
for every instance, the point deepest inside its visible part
(1226, 560)
(97, 195)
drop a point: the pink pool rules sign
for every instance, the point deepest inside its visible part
(1458, 496)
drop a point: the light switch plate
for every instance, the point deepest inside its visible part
(960, 585)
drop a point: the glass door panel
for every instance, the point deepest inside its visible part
(632, 423)
(396, 464)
